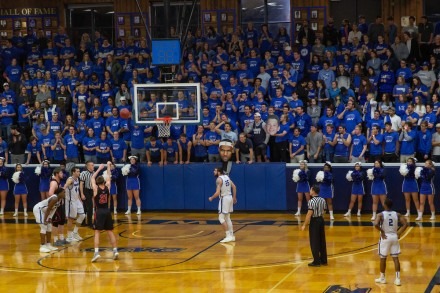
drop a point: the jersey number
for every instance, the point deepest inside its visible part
(103, 199)
(226, 182)
(390, 222)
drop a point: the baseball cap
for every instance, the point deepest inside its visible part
(6, 84)
(426, 63)
(288, 48)
(123, 98)
(257, 114)
(437, 125)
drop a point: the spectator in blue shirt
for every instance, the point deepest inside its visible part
(118, 148)
(154, 151)
(407, 139)
(297, 146)
(33, 151)
(424, 143)
(350, 117)
(71, 144)
(7, 113)
(171, 151)
(358, 146)
(103, 148)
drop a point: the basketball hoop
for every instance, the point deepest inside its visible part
(164, 126)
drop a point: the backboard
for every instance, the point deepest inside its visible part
(179, 101)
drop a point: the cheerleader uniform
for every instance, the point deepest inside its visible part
(132, 182)
(45, 179)
(409, 181)
(378, 186)
(427, 186)
(303, 183)
(326, 186)
(4, 183)
(20, 187)
(358, 183)
(114, 177)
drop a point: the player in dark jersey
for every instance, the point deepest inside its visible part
(59, 218)
(102, 215)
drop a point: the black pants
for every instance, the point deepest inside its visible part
(390, 158)
(88, 205)
(317, 240)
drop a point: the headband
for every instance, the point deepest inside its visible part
(226, 142)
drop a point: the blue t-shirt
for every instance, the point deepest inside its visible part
(358, 143)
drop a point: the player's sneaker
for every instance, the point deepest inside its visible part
(50, 247)
(232, 238)
(15, 214)
(358, 214)
(70, 239)
(432, 218)
(419, 218)
(407, 214)
(115, 255)
(297, 214)
(115, 212)
(347, 214)
(397, 282)
(332, 218)
(59, 242)
(128, 212)
(95, 257)
(1, 213)
(25, 214)
(138, 212)
(76, 236)
(380, 280)
(227, 239)
(373, 218)
(44, 249)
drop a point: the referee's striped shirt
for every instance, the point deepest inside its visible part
(317, 205)
(86, 177)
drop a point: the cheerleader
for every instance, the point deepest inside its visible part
(45, 174)
(326, 187)
(133, 184)
(357, 189)
(303, 186)
(114, 188)
(409, 185)
(4, 184)
(20, 189)
(427, 189)
(378, 187)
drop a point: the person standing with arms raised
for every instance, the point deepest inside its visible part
(315, 220)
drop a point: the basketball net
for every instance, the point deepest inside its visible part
(164, 126)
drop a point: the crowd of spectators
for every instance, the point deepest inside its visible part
(358, 92)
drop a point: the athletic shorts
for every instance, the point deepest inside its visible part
(74, 208)
(59, 218)
(226, 205)
(389, 246)
(102, 220)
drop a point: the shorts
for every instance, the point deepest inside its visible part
(59, 218)
(389, 246)
(74, 208)
(226, 205)
(102, 220)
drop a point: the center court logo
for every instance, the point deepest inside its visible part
(340, 289)
(138, 249)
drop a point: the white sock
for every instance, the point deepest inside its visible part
(69, 234)
(420, 214)
(407, 211)
(16, 210)
(433, 213)
(96, 250)
(227, 233)
(114, 209)
(115, 249)
(55, 238)
(61, 236)
(25, 210)
(382, 275)
(331, 213)
(2, 210)
(75, 229)
(47, 244)
(359, 211)
(299, 210)
(139, 209)
(374, 214)
(349, 211)
(397, 275)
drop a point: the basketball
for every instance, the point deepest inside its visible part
(125, 113)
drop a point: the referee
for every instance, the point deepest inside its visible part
(85, 187)
(314, 217)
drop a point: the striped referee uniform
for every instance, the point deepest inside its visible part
(86, 189)
(316, 230)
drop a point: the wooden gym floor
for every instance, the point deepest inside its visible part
(180, 252)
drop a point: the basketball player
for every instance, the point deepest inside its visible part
(59, 217)
(74, 206)
(228, 197)
(387, 223)
(43, 212)
(102, 215)
(226, 149)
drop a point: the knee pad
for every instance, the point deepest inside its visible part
(49, 227)
(80, 218)
(43, 229)
(221, 218)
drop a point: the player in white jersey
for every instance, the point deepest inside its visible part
(387, 223)
(74, 207)
(227, 192)
(43, 212)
